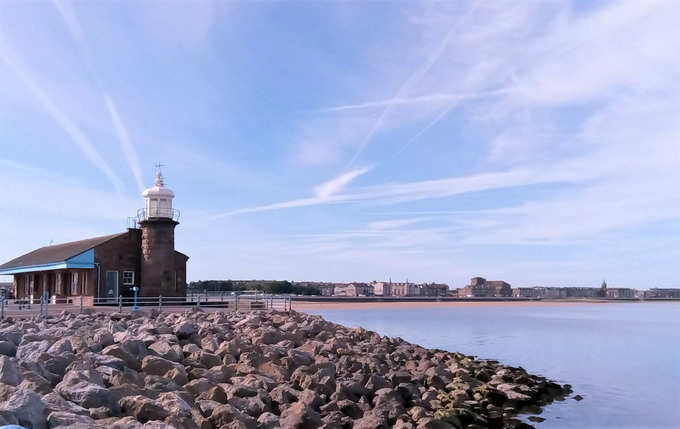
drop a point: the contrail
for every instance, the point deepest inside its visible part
(414, 78)
(73, 24)
(128, 149)
(64, 121)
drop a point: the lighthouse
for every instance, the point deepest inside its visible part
(162, 268)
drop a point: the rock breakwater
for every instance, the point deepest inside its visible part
(232, 370)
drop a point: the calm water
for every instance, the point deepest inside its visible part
(624, 359)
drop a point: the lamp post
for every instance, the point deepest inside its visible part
(135, 289)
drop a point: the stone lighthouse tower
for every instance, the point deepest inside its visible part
(159, 273)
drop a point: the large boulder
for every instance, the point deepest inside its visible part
(86, 388)
(143, 408)
(8, 348)
(54, 402)
(389, 402)
(65, 419)
(61, 346)
(27, 407)
(226, 414)
(9, 371)
(35, 382)
(300, 416)
(32, 351)
(12, 335)
(186, 329)
(116, 350)
(155, 365)
(167, 351)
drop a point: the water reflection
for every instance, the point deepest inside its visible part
(624, 359)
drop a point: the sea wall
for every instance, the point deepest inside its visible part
(246, 370)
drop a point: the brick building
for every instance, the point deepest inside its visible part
(479, 287)
(110, 265)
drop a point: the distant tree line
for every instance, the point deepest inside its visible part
(266, 286)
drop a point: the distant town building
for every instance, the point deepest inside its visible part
(382, 288)
(405, 289)
(584, 292)
(620, 293)
(354, 289)
(539, 292)
(479, 287)
(327, 289)
(434, 289)
(660, 293)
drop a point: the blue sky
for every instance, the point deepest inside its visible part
(536, 142)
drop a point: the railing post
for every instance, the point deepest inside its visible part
(198, 301)
(160, 303)
(81, 303)
(2, 309)
(236, 302)
(120, 303)
(41, 305)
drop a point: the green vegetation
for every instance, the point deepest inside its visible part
(266, 286)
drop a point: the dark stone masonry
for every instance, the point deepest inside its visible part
(247, 371)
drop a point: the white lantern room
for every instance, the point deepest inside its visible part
(158, 200)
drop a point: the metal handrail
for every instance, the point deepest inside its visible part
(244, 302)
(158, 212)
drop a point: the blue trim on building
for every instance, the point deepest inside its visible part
(83, 260)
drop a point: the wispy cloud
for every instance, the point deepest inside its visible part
(335, 185)
(421, 190)
(72, 22)
(76, 134)
(128, 149)
(382, 225)
(413, 79)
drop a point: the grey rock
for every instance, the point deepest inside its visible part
(86, 389)
(32, 351)
(167, 351)
(226, 414)
(9, 371)
(35, 382)
(27, 407)
(54, 402)
(8, 348)
(300, 416)
(143, 408)
(64, 419)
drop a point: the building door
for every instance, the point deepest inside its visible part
(112, 284)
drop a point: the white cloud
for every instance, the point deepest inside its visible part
(335, 185)
(383, 225)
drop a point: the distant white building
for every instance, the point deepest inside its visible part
(382, 288)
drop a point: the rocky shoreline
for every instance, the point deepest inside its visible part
(265, 370)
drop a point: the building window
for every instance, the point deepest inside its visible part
(128, 278)
(58, 285)
(74, 284)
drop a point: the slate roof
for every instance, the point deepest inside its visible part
(58, 252)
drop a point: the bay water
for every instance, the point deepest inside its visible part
(623, 358)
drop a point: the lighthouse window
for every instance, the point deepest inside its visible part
(128, 277)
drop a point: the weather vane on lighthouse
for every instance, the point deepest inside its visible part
(159, 174)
